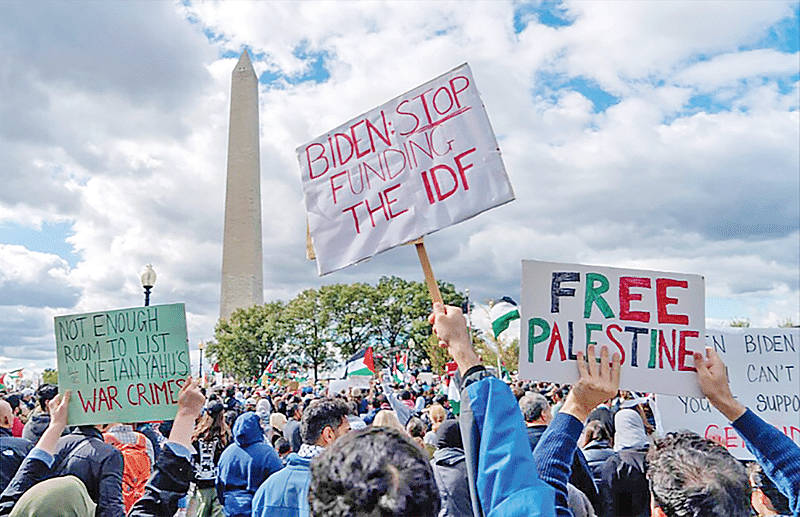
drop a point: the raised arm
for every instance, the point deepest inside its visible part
(778, 455)
(499, 461)
(598, 382)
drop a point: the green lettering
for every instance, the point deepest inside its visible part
(533, 339)
(594, 295)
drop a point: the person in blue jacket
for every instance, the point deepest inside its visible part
(286, 493)
(244, 465)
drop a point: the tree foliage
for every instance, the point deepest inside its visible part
(335, 321)
(50, 376)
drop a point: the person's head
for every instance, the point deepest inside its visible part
(27, 394)
(277, 421)
(376, 471)
(46, 393)
(416, 428)
(282, 447)
(294, 410)
(690, 475)
(437, 414)
(324, 421)
(629, 430)
(595, 431)
(387, 418)
(766, 499)
(449, 435)
(535, 409)
(6, 415)
(14, 401)
(62, 496)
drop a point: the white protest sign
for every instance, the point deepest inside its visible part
(419, 163)
(654, 320)
(764, 374)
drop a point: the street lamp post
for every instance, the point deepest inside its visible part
(148, 281)
(200, 346)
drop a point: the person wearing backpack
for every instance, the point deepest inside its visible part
(138, 459)
(210, 437)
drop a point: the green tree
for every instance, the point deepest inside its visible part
(740, 323)
(786, 324)
(50, 376)
(401, 313)
(488, 347)
(252, 337)
(310, 330)
(351, 312)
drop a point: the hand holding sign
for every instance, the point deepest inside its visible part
(598, 382)
(450, 327)
(713, 379)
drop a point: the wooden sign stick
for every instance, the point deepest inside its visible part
(430, 280)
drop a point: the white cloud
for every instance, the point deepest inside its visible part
(123, 133)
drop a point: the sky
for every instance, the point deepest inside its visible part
(648, 135)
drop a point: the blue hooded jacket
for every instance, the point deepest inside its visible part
(244, 465)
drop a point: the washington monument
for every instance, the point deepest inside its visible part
(242, 268)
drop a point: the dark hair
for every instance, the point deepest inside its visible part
(13, 400)
(416, 427)
(693, 476)
(46, 393)
(533, 406)
(291, 409)
(596, 431)
(376, 471)
(320, 414)
(760, 481)
(449, 435)
(282, 446)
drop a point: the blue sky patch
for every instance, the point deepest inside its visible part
(316, 71)
(52, 238)
(549, 12)
(783, 36)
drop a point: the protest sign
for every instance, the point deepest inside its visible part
(419, 163)
(653, 320)
(764, 374)
(124, 365)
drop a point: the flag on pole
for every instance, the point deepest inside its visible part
(454, 397)
(503, 312)
(16, 374)
(397, 377)
(270, 368)
(402, 362)
(361, 363)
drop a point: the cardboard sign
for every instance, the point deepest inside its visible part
(764, 374)
(653, 320)
(124, 365)
(419, 163)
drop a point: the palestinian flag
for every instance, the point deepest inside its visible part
(270, 369)
(397, 376)
(454, 397)
(503, 312)
(3, 382)
(361, 363)
(16, 374)
(402, 362)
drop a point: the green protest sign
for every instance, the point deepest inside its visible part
(125, 365)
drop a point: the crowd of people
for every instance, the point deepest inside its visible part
(513, 449)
